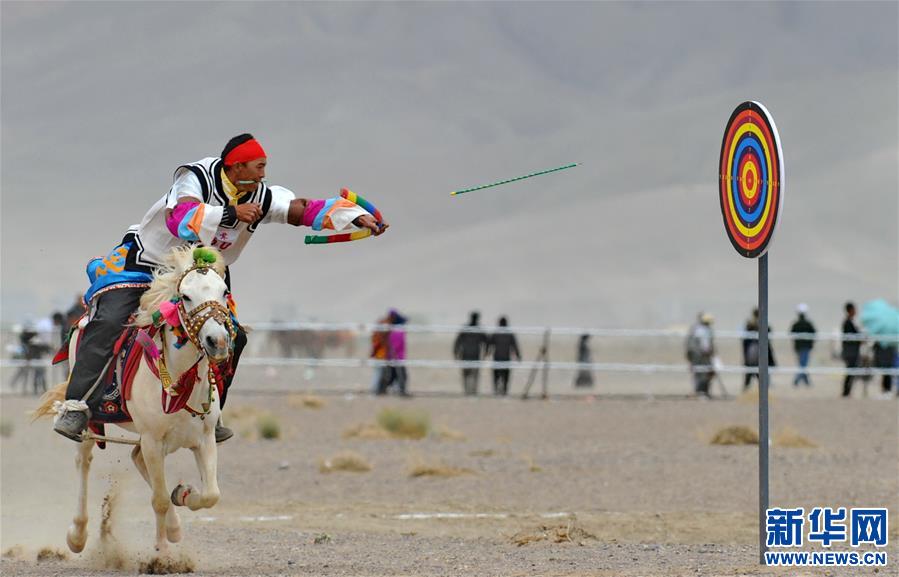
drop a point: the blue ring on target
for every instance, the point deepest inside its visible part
(750, 217)
(749, 141)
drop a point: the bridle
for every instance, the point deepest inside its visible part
(193, 320)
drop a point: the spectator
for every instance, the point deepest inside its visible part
(32, 350)
(16, 351)
(700, 353)
(803, 345)
(584, 377)
(469, 346)
(379, 351)
(751, 350)
(885, 358)
(60, 330)
(76, 311)
(44, 342)
(504, 347)
(851, 348)
(395, 373)
(59, 336)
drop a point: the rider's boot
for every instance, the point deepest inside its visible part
(222, 433)
(72, 420)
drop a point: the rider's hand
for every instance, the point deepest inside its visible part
(369, 222)
(249, 212)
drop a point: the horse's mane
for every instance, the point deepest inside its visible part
(165, 280)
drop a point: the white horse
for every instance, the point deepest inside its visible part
(203, 314)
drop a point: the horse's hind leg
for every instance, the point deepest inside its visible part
(154, 458)
(76, 537)
(172, 521)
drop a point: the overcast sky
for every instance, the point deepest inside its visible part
(404, 102)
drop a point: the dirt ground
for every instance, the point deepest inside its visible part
(591, 486)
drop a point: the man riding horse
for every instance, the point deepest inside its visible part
(216, 202)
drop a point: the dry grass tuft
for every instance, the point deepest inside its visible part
(50, 554)
(393, 424)
(791, 438)
(321, 539)
(568, 533)
(532, 466)
(405, 423)
(482, 453)
(736, 435)
(345, 461)
(269, 427)
(14, 552)
(252, 423)
(436, 468)
(444, 433)
(162, 566)
(367, 431)
(305, 402)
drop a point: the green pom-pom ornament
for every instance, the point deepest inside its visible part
(204, 256)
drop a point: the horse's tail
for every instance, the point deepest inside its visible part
(57, 393)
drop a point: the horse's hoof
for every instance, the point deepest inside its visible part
(180, 493)
(76, 539)
(173, 534)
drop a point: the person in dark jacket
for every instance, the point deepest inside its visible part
(803, 345)
(851, 348)
(470, 345)
(751, 349)
(885, 358)
(584, 377)
(504, 346)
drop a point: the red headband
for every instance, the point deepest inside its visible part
(249, 150)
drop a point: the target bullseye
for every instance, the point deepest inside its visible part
(750, 179)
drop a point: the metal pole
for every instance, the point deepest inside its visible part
(763, 405)
(545, 394)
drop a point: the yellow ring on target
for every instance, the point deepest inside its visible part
(748, 232)
(749, 169)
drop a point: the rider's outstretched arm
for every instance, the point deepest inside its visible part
(331, 214)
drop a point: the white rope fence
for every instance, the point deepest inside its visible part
(567, 331)
(645, 368)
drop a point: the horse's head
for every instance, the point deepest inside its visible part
(204, 310)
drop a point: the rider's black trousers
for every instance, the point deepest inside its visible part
(111, 310)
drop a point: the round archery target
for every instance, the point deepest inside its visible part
(750, 179)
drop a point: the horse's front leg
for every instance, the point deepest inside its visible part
(206, 455)
(172, 521)
(76, 536)
(153, 452)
